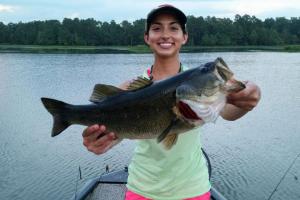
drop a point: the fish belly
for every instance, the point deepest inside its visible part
(141, 125)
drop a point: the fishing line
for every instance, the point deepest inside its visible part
(282, 178)
(207, 162)
(79, 177)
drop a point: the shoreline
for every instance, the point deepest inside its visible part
(140, 49)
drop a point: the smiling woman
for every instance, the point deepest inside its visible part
(165, 36)
(151, 172)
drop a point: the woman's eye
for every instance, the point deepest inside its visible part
(174, 28)
(155, 28)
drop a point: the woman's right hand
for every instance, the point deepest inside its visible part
(97, 140)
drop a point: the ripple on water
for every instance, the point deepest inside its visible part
(9, 166)
(289, 185)
(239, 173)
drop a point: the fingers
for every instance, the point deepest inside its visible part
(245, 105)
(105, 147)
(246, 99)
(104, 139)
(91, 133)
(97, 140)
(90, 130)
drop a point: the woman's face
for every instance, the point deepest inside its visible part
(165, 36)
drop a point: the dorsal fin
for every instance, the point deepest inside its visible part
(102, 91)
(139, 83)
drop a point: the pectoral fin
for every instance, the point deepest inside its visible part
(164, 134)
(170, 141)
(167, 137)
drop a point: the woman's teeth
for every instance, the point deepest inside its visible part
(165, 45)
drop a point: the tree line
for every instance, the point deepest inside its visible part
(208, 31)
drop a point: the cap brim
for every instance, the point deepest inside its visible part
(180, 16)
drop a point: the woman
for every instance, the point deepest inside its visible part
(179, 173)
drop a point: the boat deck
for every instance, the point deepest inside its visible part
(112, 186)
(108, 192)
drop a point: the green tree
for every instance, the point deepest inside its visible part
(3, 33)
(209, 40)
(243, 30)
(196, 29)
(138, 32)
(127, 31)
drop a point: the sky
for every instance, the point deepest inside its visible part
(130, 10)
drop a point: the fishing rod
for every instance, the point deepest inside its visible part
(284, 175)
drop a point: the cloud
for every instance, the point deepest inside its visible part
(131, 10)
(229, 8)
(7, 8)
(257, 7)
(73, 15)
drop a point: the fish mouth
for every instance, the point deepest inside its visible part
(207, 110)
(187, 111)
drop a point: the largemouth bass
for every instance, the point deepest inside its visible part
(148, 109)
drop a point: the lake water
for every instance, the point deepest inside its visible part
(250, 156)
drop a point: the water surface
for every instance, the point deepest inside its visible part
(249, 156)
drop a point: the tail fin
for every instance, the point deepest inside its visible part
(57, 110)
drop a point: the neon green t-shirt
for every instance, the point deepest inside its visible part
(174, 174)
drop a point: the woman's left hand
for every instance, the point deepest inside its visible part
(247, 98)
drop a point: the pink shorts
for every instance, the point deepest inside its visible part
(133, 196)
